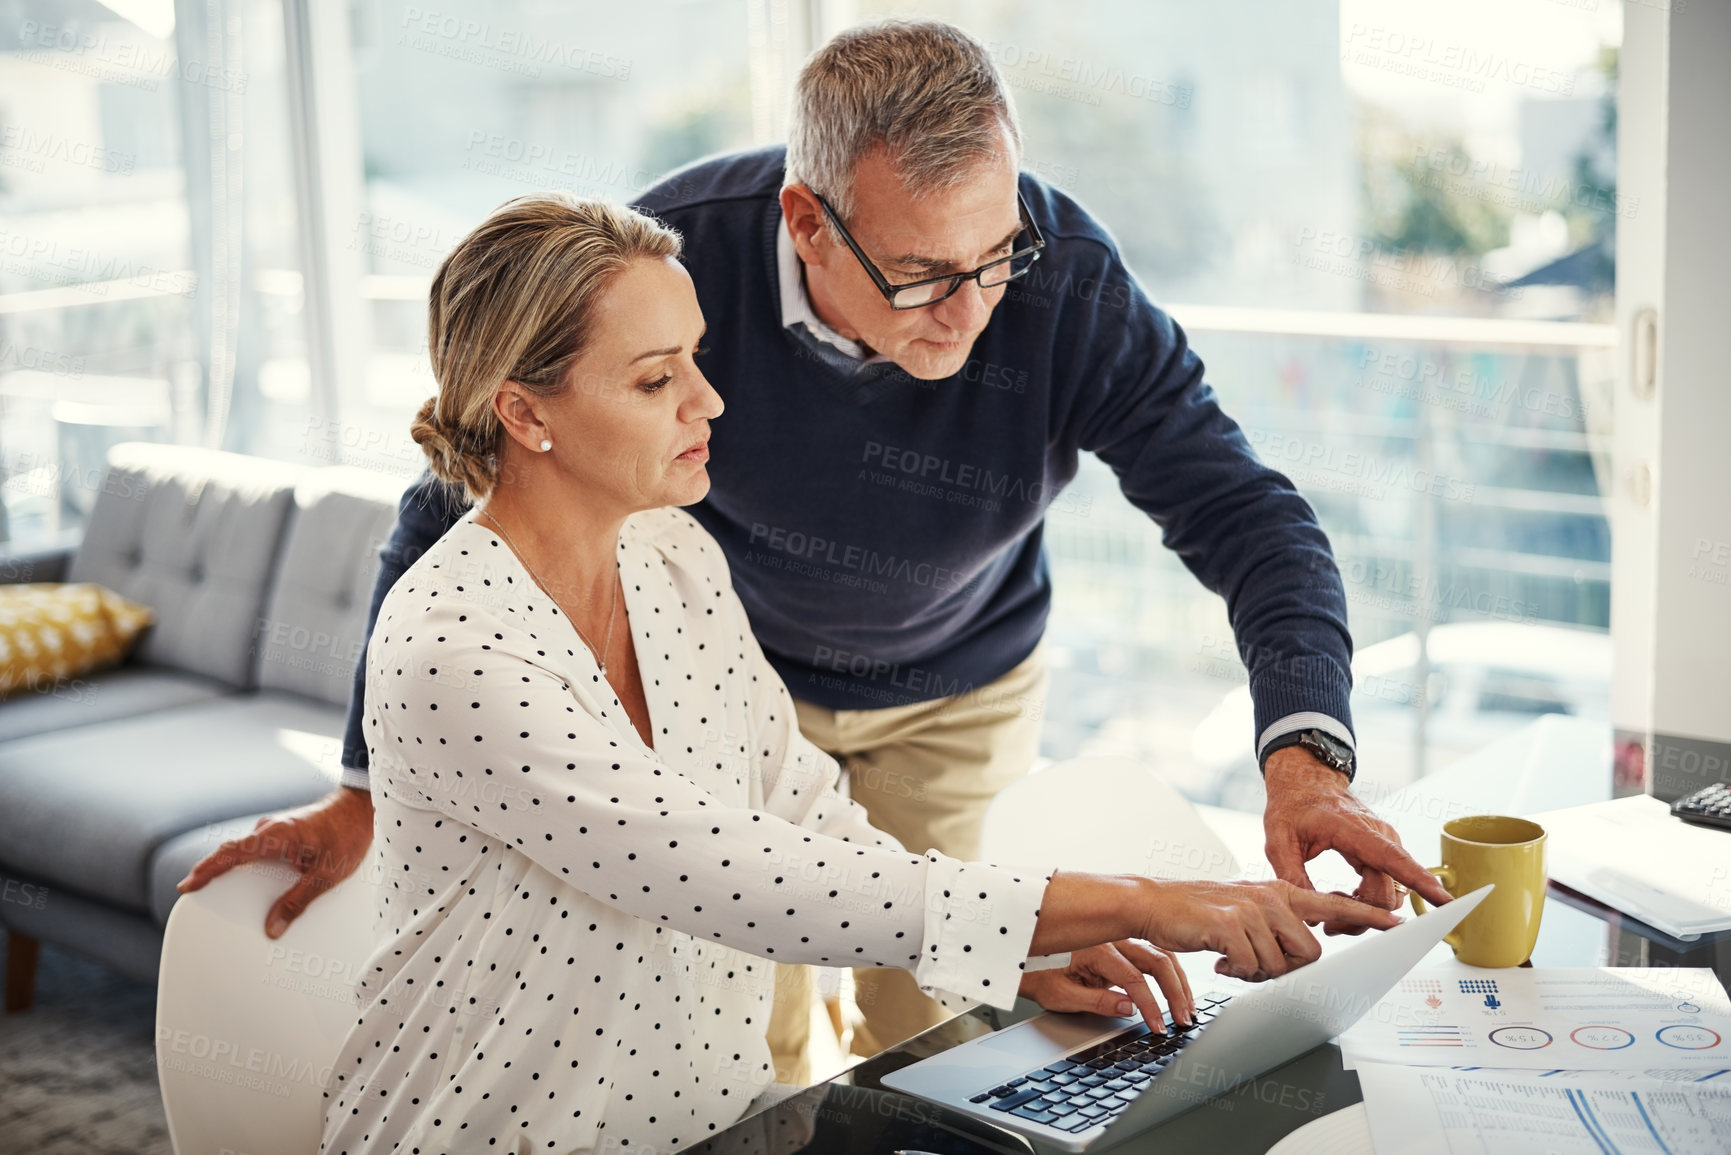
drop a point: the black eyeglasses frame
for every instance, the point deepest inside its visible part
(956, 280)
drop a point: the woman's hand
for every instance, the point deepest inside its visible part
(1258, 926)
(1112, 979)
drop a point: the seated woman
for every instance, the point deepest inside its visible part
(597, 820)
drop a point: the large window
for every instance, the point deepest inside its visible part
(463, 107)
(1386, 227)
(147, 230)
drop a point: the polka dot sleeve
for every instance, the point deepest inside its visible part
(471, 699)
(957, 963)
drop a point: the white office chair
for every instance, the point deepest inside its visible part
(1107, 815)
(247, 1027)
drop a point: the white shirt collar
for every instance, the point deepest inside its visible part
(796, 305)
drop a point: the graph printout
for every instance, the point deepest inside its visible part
(1427, 1111)
(1565, 1018)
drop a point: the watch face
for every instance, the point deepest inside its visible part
(1332, 751)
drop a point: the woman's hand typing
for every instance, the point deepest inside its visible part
(1112, 979)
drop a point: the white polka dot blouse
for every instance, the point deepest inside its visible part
(575, 928)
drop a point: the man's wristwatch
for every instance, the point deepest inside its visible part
(1326, 748)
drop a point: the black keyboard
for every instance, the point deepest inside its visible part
(1710, 806)
(1097, 1083)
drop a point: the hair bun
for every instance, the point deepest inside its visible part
(446, 455)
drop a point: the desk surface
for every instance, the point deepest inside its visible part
(1552, 764)
(854, 1114)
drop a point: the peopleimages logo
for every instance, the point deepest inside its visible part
(913, 679)
(512, 49)
(41, 360)
(1453, 65)
(1512, 186)
(1328, 466)
(236, 1063)
(534, 162)
(1078, 78)
(24, 893)
(87, 270)
(816, 549)
(38, 148)
(1424, 379)
(119, 60)
(962, 483)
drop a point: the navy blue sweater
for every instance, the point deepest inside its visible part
(884, 532)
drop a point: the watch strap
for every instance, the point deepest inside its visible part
(1315, 741)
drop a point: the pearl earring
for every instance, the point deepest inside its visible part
(546, 445)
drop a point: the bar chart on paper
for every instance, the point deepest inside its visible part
(1434, 1111)
(1429, 1038)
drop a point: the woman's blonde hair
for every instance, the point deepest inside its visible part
(515, 301)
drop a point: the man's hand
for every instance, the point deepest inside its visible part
(1310, 810)
(1088, 983)
(325, 840)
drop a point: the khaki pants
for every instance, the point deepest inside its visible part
(924, 774)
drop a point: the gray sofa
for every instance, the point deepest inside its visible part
(231, 706)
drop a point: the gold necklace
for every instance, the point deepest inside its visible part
(601, 654)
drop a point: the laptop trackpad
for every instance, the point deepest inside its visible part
(960, 1072)
(1053, 1035)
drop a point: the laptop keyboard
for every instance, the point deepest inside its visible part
(1097, 1083)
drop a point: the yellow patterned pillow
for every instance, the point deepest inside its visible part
(49, 632)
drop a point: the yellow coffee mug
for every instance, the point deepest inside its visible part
(1511, 853)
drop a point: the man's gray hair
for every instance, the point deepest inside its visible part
(925, 90)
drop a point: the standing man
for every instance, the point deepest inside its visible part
(914, 341)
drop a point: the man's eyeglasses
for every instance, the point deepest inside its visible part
(918, 294)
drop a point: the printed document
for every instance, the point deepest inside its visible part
(1547, 1019)
(1430, 1111)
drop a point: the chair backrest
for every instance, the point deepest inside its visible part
(193, 534)
(1107, 815)
(314, 627)
(247, 1028)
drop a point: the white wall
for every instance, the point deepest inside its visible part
(1671, 590)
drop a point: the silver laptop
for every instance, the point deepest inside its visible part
(1082, 1081)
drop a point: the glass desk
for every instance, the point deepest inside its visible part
(853, 1114)
(1555, 762)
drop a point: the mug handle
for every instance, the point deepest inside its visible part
(1447, 877)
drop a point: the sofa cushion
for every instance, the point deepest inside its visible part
(194, 535)
(314, 627)
(123, 693)
(87, 808)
